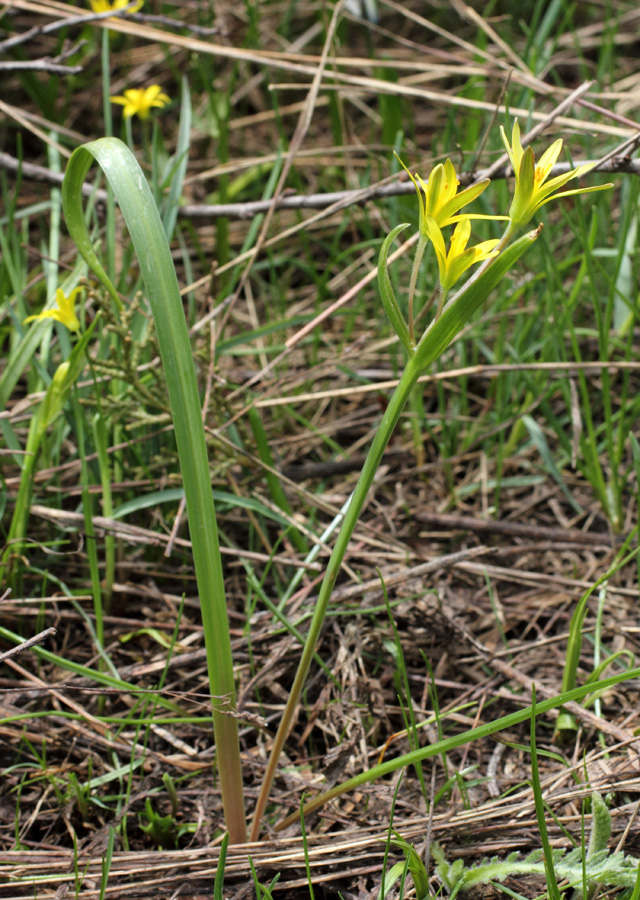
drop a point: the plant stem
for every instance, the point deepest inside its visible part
(434, 341)
(383, 435)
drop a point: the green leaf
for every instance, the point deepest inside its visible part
(416, 867)
(181, 158)
(602, 868)
(451, 743)
(394, 875)
(147, 234)
(219, 876)
(600, 825)
(537, 436)
(391, 306)
(158, 636)
(549, 868)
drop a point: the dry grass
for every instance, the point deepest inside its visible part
(489, 608)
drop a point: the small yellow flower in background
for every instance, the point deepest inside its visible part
(100, 6)
(139, 101)
(532, 188)
(439, 197)
(454, 264)
(64, 311)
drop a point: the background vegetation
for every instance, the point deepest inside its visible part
(509, 490)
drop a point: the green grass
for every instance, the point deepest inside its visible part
(522, 444)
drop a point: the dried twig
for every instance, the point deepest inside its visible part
(65, 22)
(39, 65)
(613, 163)
(32, 641)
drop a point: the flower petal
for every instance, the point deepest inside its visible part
(63, 312)
(485, 249)
(461, 199)
(460, 237)
(457, 267)
(586, 190)
(435, 236)
(521, 204)
(548, 159)
(140, 101)
(434, 190)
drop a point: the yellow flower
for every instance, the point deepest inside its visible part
(439, 197)
(64, 311)
(453, 264)
(532, 188)
(100, 6)
(138, 101)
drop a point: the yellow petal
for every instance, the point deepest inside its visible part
(435, 236)
(460, 237)
(64, 311)
(518, 152)
(548, 160)
(434, 190)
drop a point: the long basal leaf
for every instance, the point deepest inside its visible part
(141, 216)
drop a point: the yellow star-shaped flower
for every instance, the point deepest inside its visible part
(64, 311)
(439, 196)
(139, 101)
(532, 188)
(454, 263)
(100, 6)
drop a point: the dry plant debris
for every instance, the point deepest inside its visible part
(484, 553)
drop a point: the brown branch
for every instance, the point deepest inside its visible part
(83, 19)
(248, 210)
(36, 639)
(39, 65)
(453, 521)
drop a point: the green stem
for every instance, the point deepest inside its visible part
(275, 487)
(416, 407)
(90, 535)
(101, 445)
(389, 421)
(442, 299)
(433, 342)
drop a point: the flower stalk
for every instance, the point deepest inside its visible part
(439, 205)
(436, 338)
(51, 406)
(383, 434)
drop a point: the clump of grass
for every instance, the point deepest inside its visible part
(540, 318)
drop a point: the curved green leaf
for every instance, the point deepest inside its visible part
(391, 306)
(141, 216)
(449, 744)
